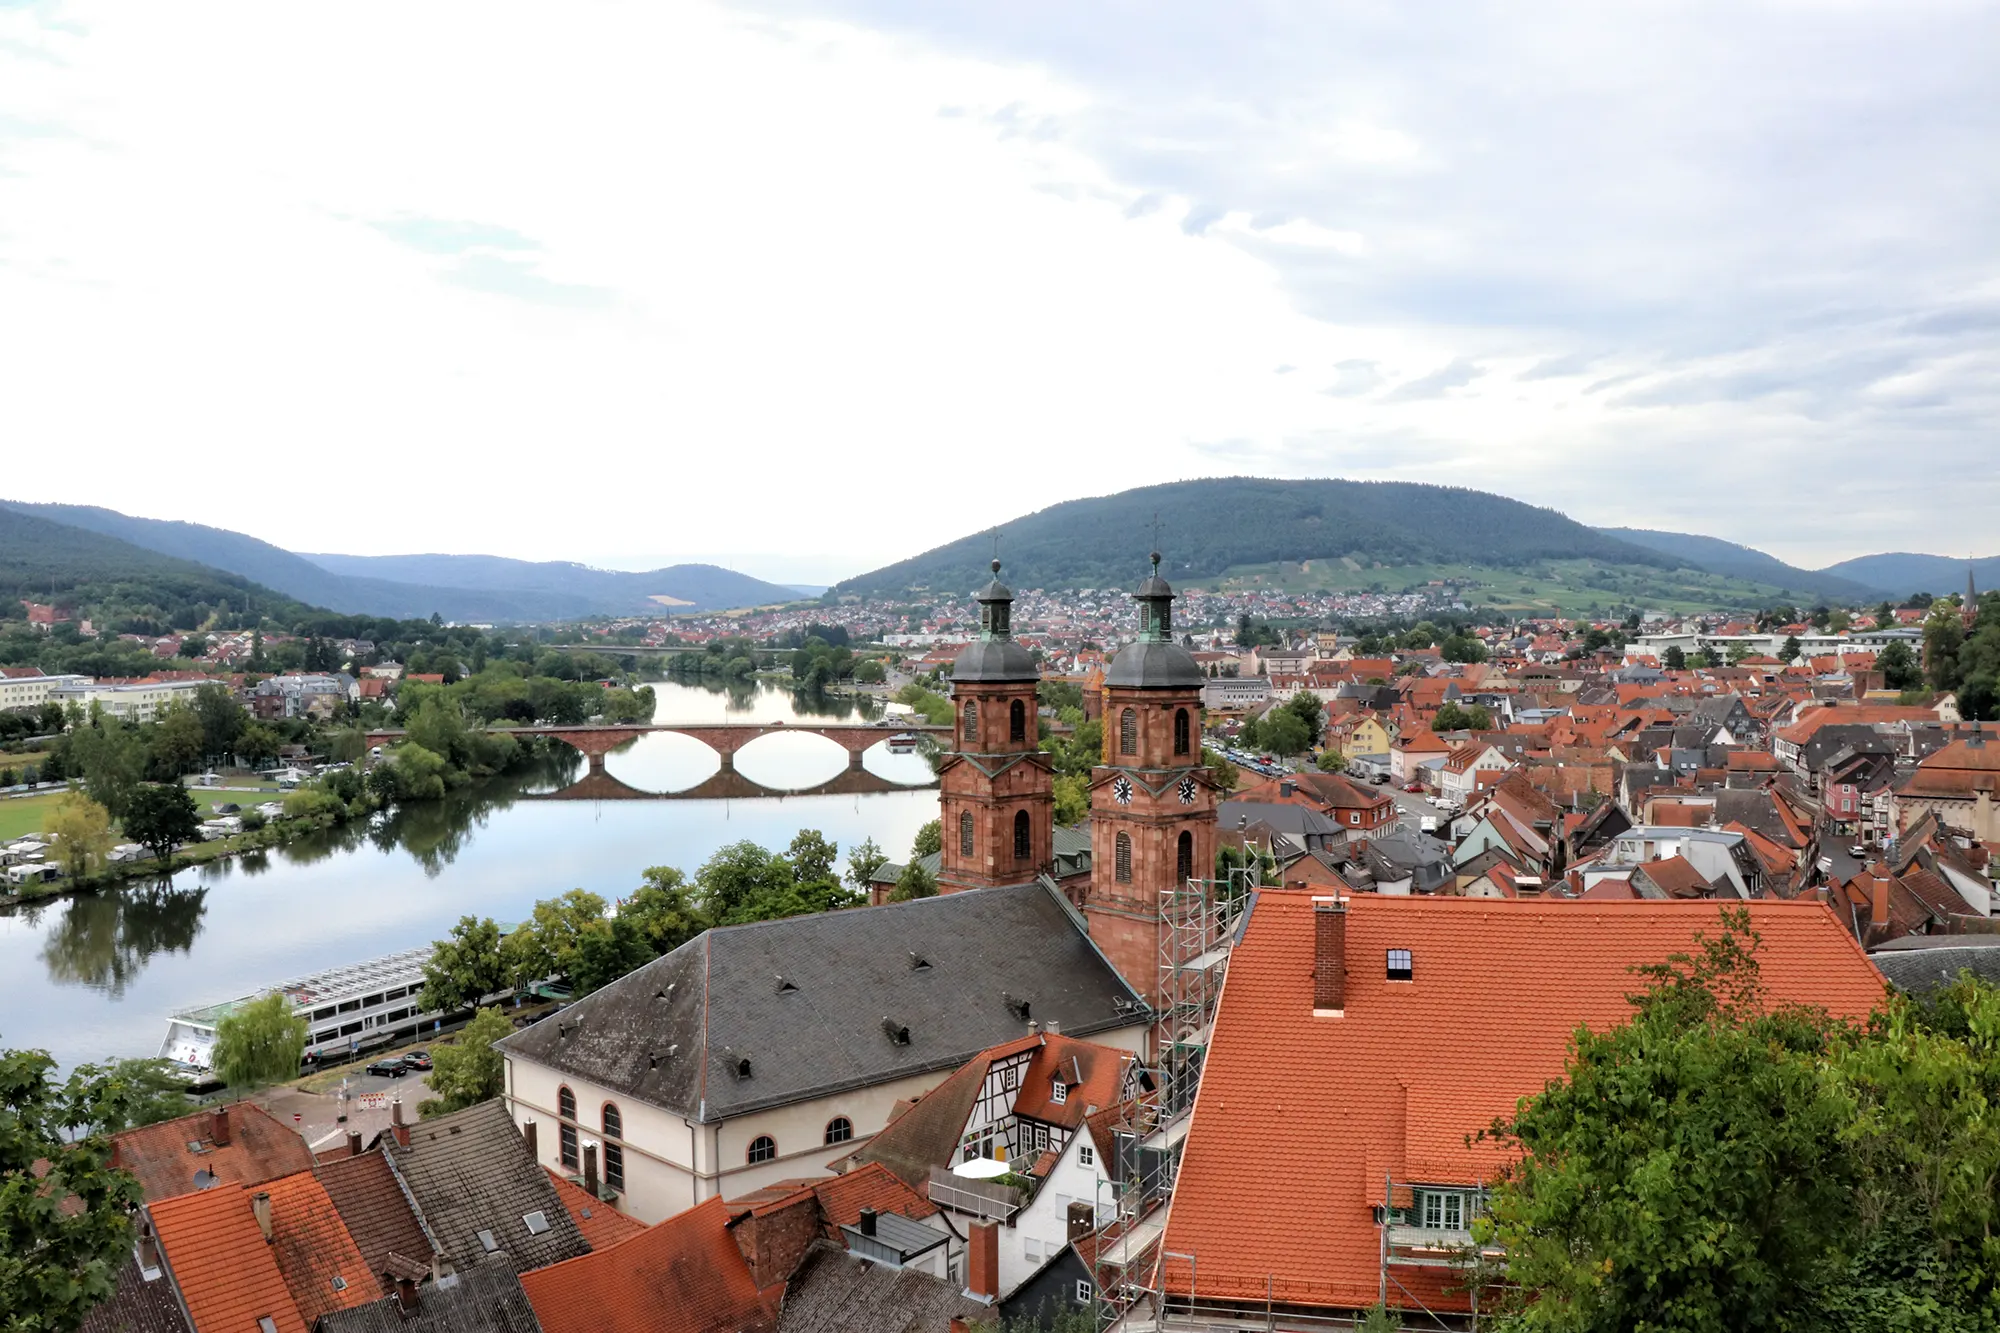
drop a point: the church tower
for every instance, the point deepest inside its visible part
(1152, 802)
(996, 789)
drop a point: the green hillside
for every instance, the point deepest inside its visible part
(1548, 587)
(123, 587)
(1209, 526)
(1903, 572)
(1746, 562)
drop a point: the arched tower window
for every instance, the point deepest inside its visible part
(965, 833)
(1181, 738)
(1121, 864)
(1128, 732)
(614, 1152)
(1184, 857)
(1023, 843)
(972, 722)
(566, 1113)
(1017, 721)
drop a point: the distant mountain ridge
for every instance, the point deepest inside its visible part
(462, 588)
(1746, 562)
(1904, 572)
(1214, 524)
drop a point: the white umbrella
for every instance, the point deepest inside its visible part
(980, 1168)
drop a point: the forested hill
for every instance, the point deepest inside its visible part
(121, 586)
(1747, 562)
(1211, 525)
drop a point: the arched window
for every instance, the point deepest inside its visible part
(1181, 731)
(1017, 721)
(1121, 862)
(1023, 843)
(965, 833)
(614, 1152)
(566, 1113)
(1128, 732)
(839, 1129)
(763, 1148)
(971, 722)
(1184, 857)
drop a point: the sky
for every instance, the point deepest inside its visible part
(807, 286)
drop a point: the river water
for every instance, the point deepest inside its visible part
(94, 977)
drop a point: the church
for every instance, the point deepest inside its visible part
(1152, 801)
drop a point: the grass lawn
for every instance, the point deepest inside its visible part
(20, 815)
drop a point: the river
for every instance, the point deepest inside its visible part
(93, 977)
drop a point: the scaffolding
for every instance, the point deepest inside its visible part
(1198, 924)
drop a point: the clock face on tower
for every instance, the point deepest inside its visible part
(1121, 790)
(1187, 791)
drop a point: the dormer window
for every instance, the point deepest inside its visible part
(1058, 1091)
(1401, 966)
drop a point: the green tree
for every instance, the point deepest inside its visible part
(1331, 761)
(1310, 711)
(1072, 799)
(863, 860)
(1899, 667)
(914, 882)
(140, 1092)
(160, 816)
(1463, 648)
(1281, 732)
(1221, 771)
(606, 950)
(222, 719)
(58, 1263)
(1676, 659)
(176, 742)
(257, 744)
(812, 856)
(929, 840)
(664, 910)
(110, 759)
(869, 671)
(82, 830)
(544, 945)
(622, 705)
(261, 1043)
(465, 966)
(467, 1071)
(1688, 1172)
(1790, 650)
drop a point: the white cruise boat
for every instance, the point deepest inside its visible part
(347, 1008)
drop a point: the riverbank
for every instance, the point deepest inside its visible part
(273, 834)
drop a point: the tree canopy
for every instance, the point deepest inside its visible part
(261, 1043)
(468, 1070)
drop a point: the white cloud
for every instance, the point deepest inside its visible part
(835, 283)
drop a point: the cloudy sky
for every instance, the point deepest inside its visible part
(808, 285)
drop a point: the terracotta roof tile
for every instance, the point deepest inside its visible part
(226, 1271)
(601, 1224)
(1395, 1089)
(314, 1249)
(259, 1149)
(377, 1212)
(684, 1275)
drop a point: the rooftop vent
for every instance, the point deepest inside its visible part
(896, 1032)
(653, 1060)
(785, 987)
(537, 1222)
(339, 1282)
(740, 1066)
(1401, 966)
(919, 963)
(562, 1032)
(197, 1147)
(666, 994)
(1017, 1005)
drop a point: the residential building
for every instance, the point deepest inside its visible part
(1230, 694)
(750, 1053)
(140, 701)
(1959, 784)
(684, 1275)
(1332, 1013)
(1460, 774)
(1358, 809)
(31, 689)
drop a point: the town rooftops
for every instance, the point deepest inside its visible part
(485, 1299)
(1334, 1105)
(684, 1275)
(753, 1016)
(377, 1213)
(227, 1272)
(1920, 964)
(470, 1173)
(234, 1144)
(601, 1224)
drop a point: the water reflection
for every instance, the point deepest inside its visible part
(104, 940)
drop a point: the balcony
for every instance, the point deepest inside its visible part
(986, 1200)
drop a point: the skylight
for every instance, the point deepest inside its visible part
(487, 1242)
(1401, 966)
(537, 1221)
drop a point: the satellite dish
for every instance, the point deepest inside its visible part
(980, 1168)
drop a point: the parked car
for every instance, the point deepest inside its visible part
(1857, 850)
(416, 1059)
(1413, 786)
(390, 1068)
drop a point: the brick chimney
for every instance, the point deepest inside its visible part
(982, 1264)
(406, 1295)
(218, 1127)
(353, 1143)
(1329, 957)
(260, 1208)
(528, 1137)
(396, 1125)
(590, 1169)
(1878, 894)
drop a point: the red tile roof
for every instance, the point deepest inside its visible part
(601, 1224)
(313, 1247)
(684, 1275)
(259, 1149)
(1299, 1118)
(225, 1269)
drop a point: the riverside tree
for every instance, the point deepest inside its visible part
(260, 1044)
(467, 1071)
(82, 829)
(465, 966)
(160, 816)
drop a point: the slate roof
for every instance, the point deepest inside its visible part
(227, 1273)
(1151, 665)
(994, 660)
(470, 1171)
(834, 1292)
(684, 1275)
(377, 1212)
(601, 1224)
(485, 1299)
(259, 1149)
(1396, 1089)
(754, 1016)
(138, 1306)
(1920, 964)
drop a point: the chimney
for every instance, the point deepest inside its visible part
(396, 1125)
(528, 1135)
(1052, 1026)
(353, 1143)
(590, 1169)
(218, 1127)
(406, 1295)
(1878, 907)
(260, 1207)
(982, 1268)
(1329, 957)
(867, 1222)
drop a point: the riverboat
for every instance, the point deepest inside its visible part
(347, 1009)
(903, 743)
